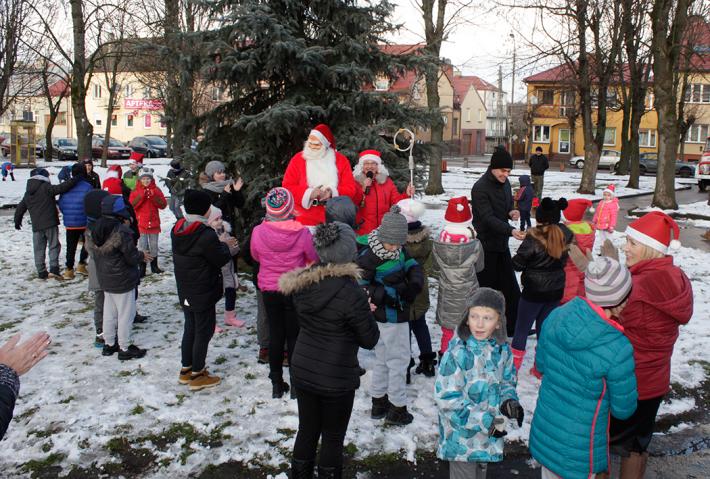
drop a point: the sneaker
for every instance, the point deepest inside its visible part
(263, 357)
(68, 273)
(185, 375)
(139, 318)
(81, 269)
(109, 350)
(398, 416)
(203, 380)
(43, 275)
(380, 407)
(279, 389)
(55, 275)
(99, 341)
(133, 352)
(230, 319)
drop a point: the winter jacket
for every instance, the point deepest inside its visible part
(392, 285)
(335, 320)
(71, 204)
(605, 215)
(226, 202)
(574, 278)
(543, 276)
(473, 380)
(456, 265)
(660, 301)
(538, 164)
(198, 257)
(491, 201)
(525, 194)
(378, 201)
(94, 180)
(147, 203)
(130, 179)
(177, 182)
(419, 246)
(39, 200)
(280, 247)
(111, 245)
(587, 366)
(9, 389)
(64, 173)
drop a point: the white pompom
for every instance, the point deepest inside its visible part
(674, 246)
(459, 207)
(591, 209)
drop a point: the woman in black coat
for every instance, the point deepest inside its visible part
(335, 320)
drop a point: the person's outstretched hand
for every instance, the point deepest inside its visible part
(23, 357)
(513, 410)
(580, 260)
(609, 250)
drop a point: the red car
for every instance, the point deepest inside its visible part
(116, 149)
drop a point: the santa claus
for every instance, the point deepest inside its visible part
(317, 174)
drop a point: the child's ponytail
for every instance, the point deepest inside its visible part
(551, 238)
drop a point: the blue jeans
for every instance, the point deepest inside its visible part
(530, 312)
(421, 333)
(525, 220)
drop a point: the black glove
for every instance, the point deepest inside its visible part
(497, 432)
(18, 226)
(513, 410)
(395, 280)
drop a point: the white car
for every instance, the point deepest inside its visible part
(608, 159)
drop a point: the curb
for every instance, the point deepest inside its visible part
(674, 215)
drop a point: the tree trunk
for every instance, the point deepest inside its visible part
(635, 170)
(624, 161)
(84, 129)
(48, 136)
(664, 194)
(109, 114)
(434, 185)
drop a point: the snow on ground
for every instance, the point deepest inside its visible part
(700, 208)
(78, 404)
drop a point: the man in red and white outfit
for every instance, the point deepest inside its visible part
(317, 174)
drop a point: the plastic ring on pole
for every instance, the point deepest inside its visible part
(411, 140)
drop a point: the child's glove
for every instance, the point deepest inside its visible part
(497, 428)
(513, 410)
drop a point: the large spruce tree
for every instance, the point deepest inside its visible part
(288, 65)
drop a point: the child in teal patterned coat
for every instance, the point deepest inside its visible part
(475, 388)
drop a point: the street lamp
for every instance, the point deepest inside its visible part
(512, 100)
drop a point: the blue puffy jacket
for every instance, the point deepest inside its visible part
(71, 204)
(525, 194)
(588, 371)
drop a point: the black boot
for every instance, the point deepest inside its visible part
(426, 365)
(154, 266)
(302, 469)
(139, 318)
(278, 389)
(141, 266)
(380, 406)
(409, 370)
(398, 416)
(330, 472)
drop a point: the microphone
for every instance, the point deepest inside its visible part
(370, 175)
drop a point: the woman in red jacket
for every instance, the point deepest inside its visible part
(661, 300)
(147, 200)
(378, 191)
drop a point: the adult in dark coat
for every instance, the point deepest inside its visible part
(91, 176)
(335, 320)
(538, 164)
(492, 207)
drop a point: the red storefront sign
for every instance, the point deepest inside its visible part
(142, 104)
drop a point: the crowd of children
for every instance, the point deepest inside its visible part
(323, 292)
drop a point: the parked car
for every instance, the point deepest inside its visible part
(63, 149)
(648, 164)
(5, 147)
(152, 146)
(608, 159)
(116, 149)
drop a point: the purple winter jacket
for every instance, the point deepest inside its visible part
(280, 247)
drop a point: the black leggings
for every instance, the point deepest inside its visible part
(73, 237)
(635, 433)
(498, 274)
(199, 328)
(326, 416)
(283, 330)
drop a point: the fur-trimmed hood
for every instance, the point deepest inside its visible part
(381, 176)
(301, 278)
(417, 236)
(113, 242)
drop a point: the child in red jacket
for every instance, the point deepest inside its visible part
(584, 239)
(147, 200)
(604, 220)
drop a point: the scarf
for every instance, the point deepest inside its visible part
(216, 186)
(376, 246)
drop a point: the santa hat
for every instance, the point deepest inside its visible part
(323, 133)
(411, 209)
(113, 186)
(576, 208)
(370, 155)
(114, 171)
(136, 157)
(458, 211)
(611, 189)
(656, 230)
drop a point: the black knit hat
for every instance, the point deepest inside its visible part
(78, 170)
(92, 203)
(501, 159)
(549, 210)
(39, 172)
(197, 202)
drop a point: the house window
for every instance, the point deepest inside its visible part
(216, 93)
(61, 119)
(567, 107)
(468, 114)
(647, 138)
(480, 115)
(541, 134)
(563, 143)
(147, 120)
(162, 122)
(546, 97)
(97, 120)
(455, 126)
(114, 120)
(649, 100)
(610, 137)
(97, 91)
(698, 134)
(147, 92)
(129, 121)
(382, 83)
(697, 93)
(129, 90)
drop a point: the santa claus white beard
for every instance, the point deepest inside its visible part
(321, 169)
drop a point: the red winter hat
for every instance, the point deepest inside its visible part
(370, 155)
(323, 133)
(113, 186)
(137, 157)
(576, 208)
(610, 189)
(458, 211)
(656, 230)
(117, 169)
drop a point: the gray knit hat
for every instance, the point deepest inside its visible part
(607, 282)
(393, 229)
(145, 171)
(335, 242)
(341, 208)
(487, 298)
(213, 167)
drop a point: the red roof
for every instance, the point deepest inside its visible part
(58, 87)
(404, 83)
(482, 84)
(560, 73)
(402, 49)
(461, 86)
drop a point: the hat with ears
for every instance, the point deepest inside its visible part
(576, 208)
(323, 133)
(411, 209)
(147, 172)
(549, 211)
(656, 230)
(458, 211)
(611, 189)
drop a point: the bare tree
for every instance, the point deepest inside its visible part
(55, 87)
(14, 15)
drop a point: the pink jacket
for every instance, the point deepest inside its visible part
(605, 216)
(280, 247)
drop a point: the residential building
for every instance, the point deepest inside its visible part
(473, 116)
(495, 102)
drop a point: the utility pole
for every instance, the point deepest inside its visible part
(499, 106)
(512, 101)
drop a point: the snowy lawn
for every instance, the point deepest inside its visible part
(698, 209)
(78, 409)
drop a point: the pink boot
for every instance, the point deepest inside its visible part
(230, 319)
(518, 355)
(217, 329)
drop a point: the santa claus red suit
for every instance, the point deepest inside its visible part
(324, 169)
